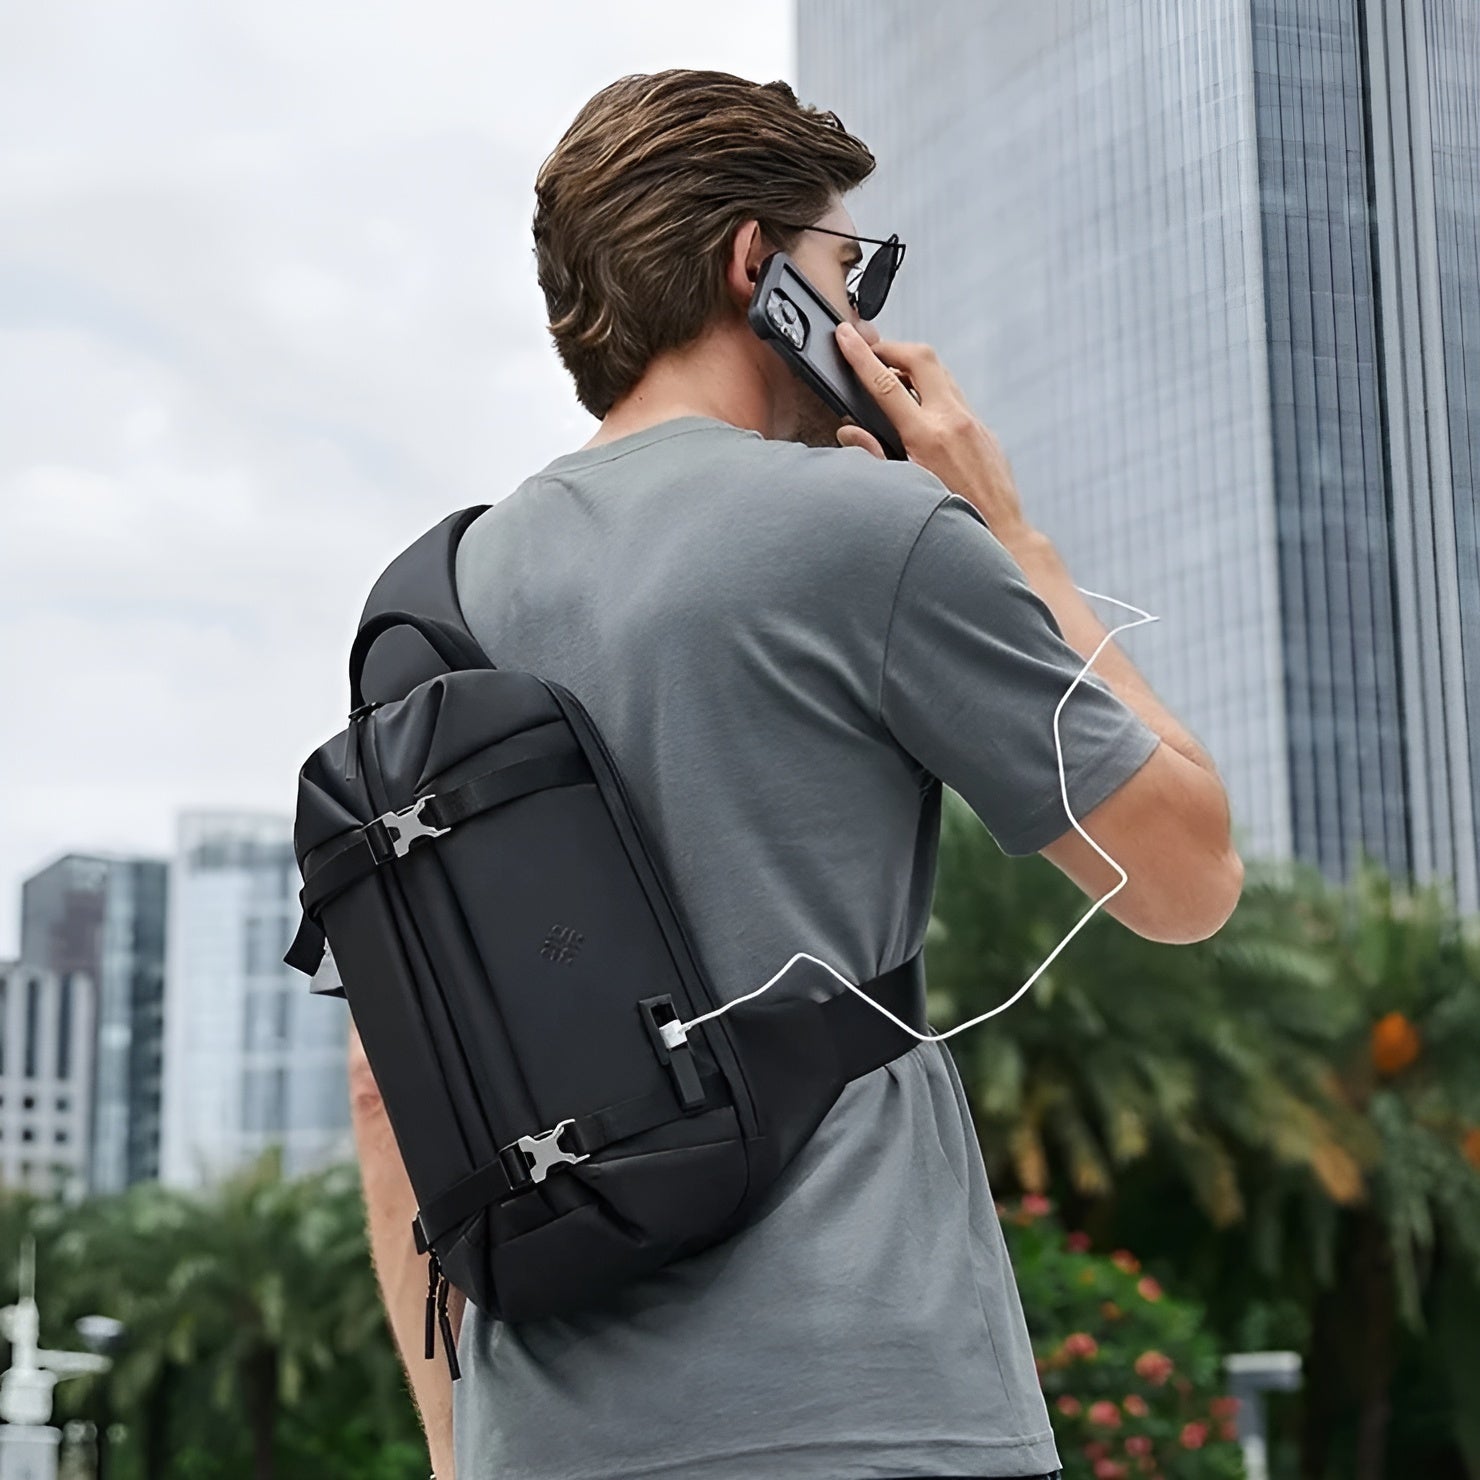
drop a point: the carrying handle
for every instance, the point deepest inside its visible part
(455, 648)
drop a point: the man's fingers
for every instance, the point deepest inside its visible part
(879, 380)
(855, 436)
(923, 366)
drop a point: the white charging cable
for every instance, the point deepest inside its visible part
(675, 1032)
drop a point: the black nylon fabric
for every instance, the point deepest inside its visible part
(495, 974)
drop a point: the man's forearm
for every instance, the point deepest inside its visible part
(390, 1205)
(1084, 631)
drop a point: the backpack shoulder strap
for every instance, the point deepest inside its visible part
(392, 656)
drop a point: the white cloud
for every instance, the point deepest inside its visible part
(267, 310)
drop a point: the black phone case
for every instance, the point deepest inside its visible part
(799, 323)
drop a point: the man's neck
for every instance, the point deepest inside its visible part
(714, 378)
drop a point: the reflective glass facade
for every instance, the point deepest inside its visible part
(105, 917)
(1209, 269)
(251, 1059)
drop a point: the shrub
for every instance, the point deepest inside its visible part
(1132, 1379)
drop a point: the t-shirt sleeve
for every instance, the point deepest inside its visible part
(975, 664)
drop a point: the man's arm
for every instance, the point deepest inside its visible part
(390, 1205)
(1170, 826)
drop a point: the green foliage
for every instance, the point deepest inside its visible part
(257, 1342)
(1285, 1115)
(1132, 1378)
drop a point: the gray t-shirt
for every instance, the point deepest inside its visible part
(785, 647)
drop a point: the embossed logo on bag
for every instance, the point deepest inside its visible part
(562, 944)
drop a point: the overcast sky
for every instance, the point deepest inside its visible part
(267, 311)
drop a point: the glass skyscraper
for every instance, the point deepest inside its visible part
(251, 1059)
(105, 917)
(1210, 269)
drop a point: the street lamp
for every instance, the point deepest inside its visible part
(103, 1335)
(1250, 1376)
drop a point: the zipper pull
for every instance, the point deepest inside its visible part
(352, 739)
(445, 1321)
(433, 1272)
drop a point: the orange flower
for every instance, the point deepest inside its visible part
(1149, 1289)
(1138, 1444)
(1081, 1344)
(1194, 1435)
(1111, 1311)
(1105, 1414)
(1124, 1259)
(1154, 1367)
(1135, 1405)
(1035, 1205)
(1471, 1147)
(1109, 1469)
(1395, 1044)
(1069, 1406)
(1223, 1407)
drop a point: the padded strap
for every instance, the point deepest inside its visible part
(863, 1037)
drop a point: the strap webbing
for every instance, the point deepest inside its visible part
(370, 845)
(492, 1182)
(863, 1039)
(862, 1036)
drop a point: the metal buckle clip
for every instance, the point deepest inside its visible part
(405, 827)
(543, 1150)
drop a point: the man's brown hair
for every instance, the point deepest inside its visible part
(636, 205)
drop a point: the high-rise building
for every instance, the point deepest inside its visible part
(105, 917)
(46, 1051)
(1210, 269)
(251, 1058)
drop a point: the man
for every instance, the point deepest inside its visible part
(789, 644)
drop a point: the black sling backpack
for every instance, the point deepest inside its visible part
(510, 952)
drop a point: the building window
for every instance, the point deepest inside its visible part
(33, 1024)
(64, 1102)
(29, 1103)
(64, 1031)
(28, 1133)
(61, 1138)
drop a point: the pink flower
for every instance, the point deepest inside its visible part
(1227, 1429)
(1149, 1289)
(1078, 1243)
(1069, 1406)
(1104, 1414)
(1153, 1367)
(1081, 1344)
(1109, 1469)
(1138, 1444)
(1097, 1450)
(1223, 1407)
(1194, 1435)
(1135, 1405)
(1035, 1205)
(1124, 1259)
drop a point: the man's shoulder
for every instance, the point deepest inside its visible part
(841, 489)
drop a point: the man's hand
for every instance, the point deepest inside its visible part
(938, 429)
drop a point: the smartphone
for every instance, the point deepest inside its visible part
(799, 324)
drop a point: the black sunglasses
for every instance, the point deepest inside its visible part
(868, 280)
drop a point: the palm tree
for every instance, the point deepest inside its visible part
(257, 1288)
(1203, 1056)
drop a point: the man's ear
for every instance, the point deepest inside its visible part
(748, 249)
